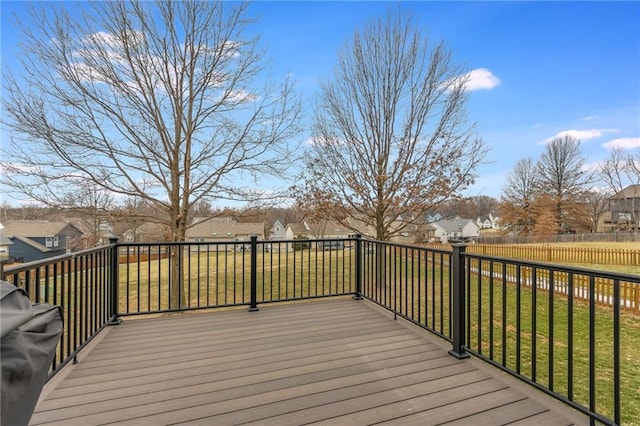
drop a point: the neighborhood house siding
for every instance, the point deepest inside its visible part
(455, 229)
(225, 231)
(36, 240)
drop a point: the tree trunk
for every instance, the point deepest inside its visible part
(177, 290)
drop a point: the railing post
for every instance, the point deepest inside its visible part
(115, 282)
(358, 293)
(254, 271)
(458, 302)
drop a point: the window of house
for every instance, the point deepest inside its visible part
(49, 242)
(199, 240)
(55, 241)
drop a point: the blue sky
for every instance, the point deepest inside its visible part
(548, 67)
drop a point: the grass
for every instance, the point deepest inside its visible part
(223, 279)
(540, 325)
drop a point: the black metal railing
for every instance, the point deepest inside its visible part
(412, 282)
(82, 285)
(157, 278)
(559, 329)
(566, 331)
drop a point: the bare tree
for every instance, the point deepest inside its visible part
(469, 207)
(621, 173)
(92, 206)
(163, 101)
(391, 138)
(560, 174)
(167, 102)
(517, 213)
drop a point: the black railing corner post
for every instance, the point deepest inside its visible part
(458, 302)
(115, 281)
(254, 274)
(358, 293)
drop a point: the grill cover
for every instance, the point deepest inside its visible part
(30, 334)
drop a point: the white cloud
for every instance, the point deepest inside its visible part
(580, 134)
(480, 78)
(623, 143)
(589, 118)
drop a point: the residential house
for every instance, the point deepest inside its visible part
(144, 232)
(456, 229)
(5, 244)
(278, 232)
(624, 211)
(39, 239)
(95, 231)
(319, 230)
(297, 231)
(329, 229)
(224, 230)
(489, 221)
(430, 218)
(359, 225)
(425, 233)
(325, 229)
(403, 233)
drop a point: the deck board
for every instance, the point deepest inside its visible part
(329, 362)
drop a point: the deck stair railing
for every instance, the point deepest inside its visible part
(560, 329)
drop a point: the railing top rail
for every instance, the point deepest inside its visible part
(222, 242)
(411, 246)
(51, 260)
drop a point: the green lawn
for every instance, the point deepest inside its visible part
(540, 319)
(223, 278)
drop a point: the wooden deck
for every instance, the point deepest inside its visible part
(340, 362)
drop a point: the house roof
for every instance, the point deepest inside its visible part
(277, 222)
(328, 228)
(224, 229)
(361, 226)
(34, 228)
(454, 224)
(32, 243)
(298, 228)
(631, 191)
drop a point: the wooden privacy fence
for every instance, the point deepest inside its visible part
(603, 287)
(566, 284)
(554, 254)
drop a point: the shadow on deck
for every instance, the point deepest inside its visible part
(340, 362)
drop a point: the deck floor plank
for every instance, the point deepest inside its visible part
(329, 362)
